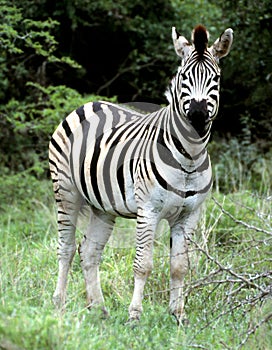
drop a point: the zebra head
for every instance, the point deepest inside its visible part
(195, 89)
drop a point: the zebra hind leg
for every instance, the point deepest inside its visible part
(90, 250)
(68, 207)
(178, 270)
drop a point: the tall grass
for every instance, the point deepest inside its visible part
(227, 291)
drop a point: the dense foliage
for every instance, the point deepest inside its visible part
(57, 55)
(248, 77)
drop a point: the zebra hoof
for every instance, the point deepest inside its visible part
(134, 318)
(58, 302)
(99, 310)
(133, 322)
(182, 320)
(104, 314)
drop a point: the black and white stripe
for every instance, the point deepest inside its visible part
(146, 166)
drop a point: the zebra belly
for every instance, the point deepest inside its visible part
(107, 191)
(173, 206)
(116, 194)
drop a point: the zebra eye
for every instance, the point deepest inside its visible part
(183, 76)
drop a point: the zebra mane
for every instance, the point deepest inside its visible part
(171, 87)
(200, 38)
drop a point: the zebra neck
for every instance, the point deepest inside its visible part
(184, 138)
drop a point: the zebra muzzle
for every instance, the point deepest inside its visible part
(198, 115)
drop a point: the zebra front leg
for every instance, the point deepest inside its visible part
(179, 262)
(143, 263)
(98, 233)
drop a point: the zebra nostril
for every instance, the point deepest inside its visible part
(198, 109)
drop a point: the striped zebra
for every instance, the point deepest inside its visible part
(145, 166)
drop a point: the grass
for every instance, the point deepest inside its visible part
(224, 311)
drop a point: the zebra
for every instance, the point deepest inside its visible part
(149, 167)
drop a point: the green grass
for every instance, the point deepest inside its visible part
(222, 312)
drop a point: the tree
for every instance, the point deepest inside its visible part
(248, 79)
(124, 47)
(27, 47)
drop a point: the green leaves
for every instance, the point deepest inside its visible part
(28, 125)
(18, 33)
(27, 47)
(10, 17)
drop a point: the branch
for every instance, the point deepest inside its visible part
(121, 72)
(227, 269)
(240, 222)
(253, 329)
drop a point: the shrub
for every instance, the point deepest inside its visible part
(30, 124)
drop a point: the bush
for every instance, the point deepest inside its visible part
(31, 123)
(238, 164)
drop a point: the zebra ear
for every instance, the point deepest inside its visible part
(181, 45)
(222, 45)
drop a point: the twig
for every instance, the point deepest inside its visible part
(227, 269)
(253, 329)
(122, 71)
(240, 222)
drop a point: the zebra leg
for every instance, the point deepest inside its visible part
(68, 209)
(179, 263)
(143, 263)
(98, 233)
(179, 266)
